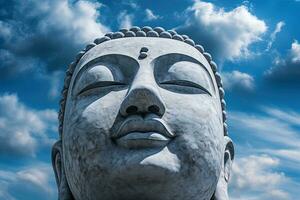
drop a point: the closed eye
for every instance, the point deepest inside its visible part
(101, 84)
(186, 84)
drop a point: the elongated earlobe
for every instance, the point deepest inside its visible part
(64, 192)
(221, 192)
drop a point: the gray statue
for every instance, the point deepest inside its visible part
(142, 117)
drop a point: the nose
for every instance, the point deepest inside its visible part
(143, 97)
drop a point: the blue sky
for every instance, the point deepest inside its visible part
(255, 43)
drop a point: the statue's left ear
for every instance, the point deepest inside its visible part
(221, 192)
(64, 192)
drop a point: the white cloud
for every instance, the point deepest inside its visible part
(50, 33)
(237, 80)
(131, 3)
(37, 176)
(23, 130)
(227, 34)
(286, 69)
(295, 51)
(77, 21)
(265, 128)
(150, 15)
(291, 155)
(277, 30)
(46, 39)
(291, 117)
(125, 20)
(33, 182)
(251, 173)
(274, 132)
(255, 177)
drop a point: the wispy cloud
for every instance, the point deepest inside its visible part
(34, 182)
(56, 82)
(237, 80)
(290, 116)
(125, 19)
(277, 30)
(131, 3)
(213, 27)
(150, 15)
(274, 132)
(267, 128)
(268, 142)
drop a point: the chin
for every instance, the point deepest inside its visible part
(150, 188)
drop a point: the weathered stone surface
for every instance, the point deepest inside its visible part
(143, 119)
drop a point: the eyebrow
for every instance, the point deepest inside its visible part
(185, 57)
(99, 60)
(104, 59)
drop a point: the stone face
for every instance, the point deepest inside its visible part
(143, 127)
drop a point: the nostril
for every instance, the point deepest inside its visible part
(153, 109)
(131, 110)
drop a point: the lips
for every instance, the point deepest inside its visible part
(137, 132)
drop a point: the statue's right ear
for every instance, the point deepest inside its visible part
(64, 192)
(221, 192)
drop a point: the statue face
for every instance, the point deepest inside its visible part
(143, 121)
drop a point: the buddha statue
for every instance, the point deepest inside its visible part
(142, 117)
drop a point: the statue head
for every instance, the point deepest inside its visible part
(143, 117)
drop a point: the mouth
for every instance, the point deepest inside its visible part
(139, 133)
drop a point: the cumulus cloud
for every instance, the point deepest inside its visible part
(150, 15)
(226, 34)
(286, 69)
(23, 130)
(50, 33)
(33, 182)
(255, 177)
(237, 80)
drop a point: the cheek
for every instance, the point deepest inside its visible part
(90, 120)
(96, 112)
(87, 130)
(188, 113)
(196, 120)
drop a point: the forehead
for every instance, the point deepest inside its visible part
(131, 47)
